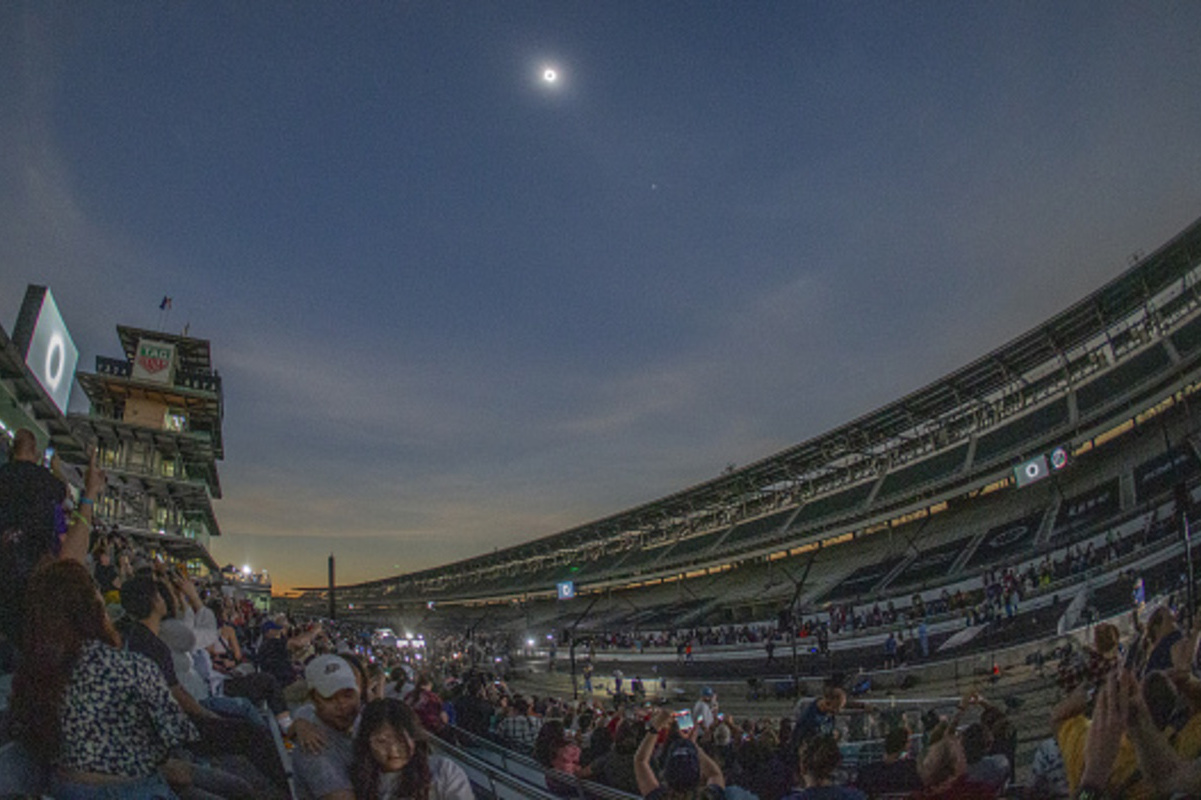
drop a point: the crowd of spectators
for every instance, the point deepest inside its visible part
(130, 676)
(1001, 591)
(134, 679)
(1143, 694)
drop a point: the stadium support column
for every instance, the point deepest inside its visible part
(333, 608)
(575, 691)
(1182, 501)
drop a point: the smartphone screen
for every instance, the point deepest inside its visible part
(684, 719)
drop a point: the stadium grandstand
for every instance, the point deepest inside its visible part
(1075, 429)
(874, 582)
(971, 536)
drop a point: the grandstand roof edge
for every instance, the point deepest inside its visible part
(1133, 276)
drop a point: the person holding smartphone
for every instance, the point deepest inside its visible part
(33, 523)
(687, 771)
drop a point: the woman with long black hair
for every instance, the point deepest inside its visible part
(101, 717)
(392, 758)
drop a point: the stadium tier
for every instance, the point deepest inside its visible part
(1074, 430)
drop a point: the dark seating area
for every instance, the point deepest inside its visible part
(930, 564)
(1010, 436)
(831, 505)
(600, 566)
(1005, 541)
(1120, 380)
(1159, 474)
(863, 580)
(691, 548)
(932, 469)
(1188, 339)
(1087, 508)
(754, 529)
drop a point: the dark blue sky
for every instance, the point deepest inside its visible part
(457, 308)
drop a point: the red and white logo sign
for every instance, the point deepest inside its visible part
(154, 361)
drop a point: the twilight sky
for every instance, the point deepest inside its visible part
(457, 308)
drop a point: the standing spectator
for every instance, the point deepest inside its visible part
(31, 519)
(817, 717)
(890, 651)
(702, 711)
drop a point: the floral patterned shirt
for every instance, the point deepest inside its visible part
(117, 716)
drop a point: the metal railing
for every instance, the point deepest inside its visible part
(518, 768)
(184, 379)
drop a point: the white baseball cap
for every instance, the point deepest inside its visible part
(328, 675)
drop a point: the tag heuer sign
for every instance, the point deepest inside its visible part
(154, 362)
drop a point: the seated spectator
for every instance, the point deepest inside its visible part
(765, 765)
(1158, 751)
(615, 768)
(474, 710)
(944, 771)
(1091, 665)
(687, 771)
(427, 705)
(519, 730)
(147, 604)
(819, 759)
(1162, 634)
(273, 656)
(377, 681)
(895, 773)
(392, 759)
(1048, 778)
(557, 751)
(108, 576)
(226, 651)
(324, 773)
(103, 717)
(990, 770)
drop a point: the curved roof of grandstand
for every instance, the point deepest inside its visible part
(1027, 372)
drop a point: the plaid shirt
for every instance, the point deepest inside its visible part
(519, 733)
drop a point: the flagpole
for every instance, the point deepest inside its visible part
(164, 308)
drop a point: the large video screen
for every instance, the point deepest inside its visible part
(42, 337)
